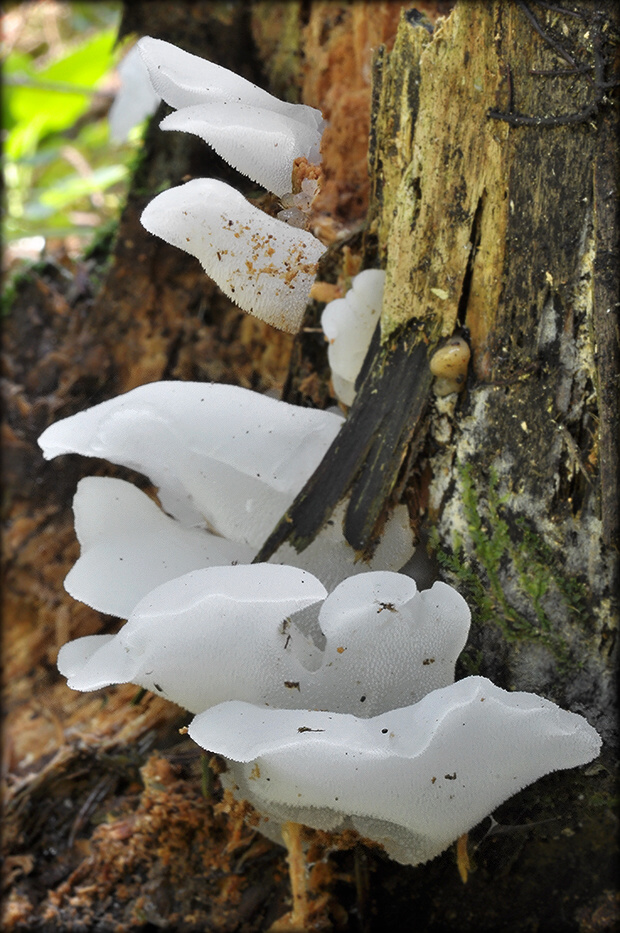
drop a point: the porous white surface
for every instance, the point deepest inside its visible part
(411, 779)
(221, 456)
(262, 264)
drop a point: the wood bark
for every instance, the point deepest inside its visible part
(491, 201)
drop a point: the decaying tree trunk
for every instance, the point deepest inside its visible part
(492, 204)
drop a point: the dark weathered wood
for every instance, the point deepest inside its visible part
(606, 307)
(366, 457)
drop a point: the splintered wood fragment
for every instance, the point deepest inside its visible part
(367, 455)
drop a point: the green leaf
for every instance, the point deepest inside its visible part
(86, 64)
(37, 108)
(73, 188)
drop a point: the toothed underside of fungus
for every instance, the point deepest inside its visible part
(412, 779)
(253, 131)
(261, 144)
(262, 264)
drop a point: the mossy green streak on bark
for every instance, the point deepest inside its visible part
(494, 548)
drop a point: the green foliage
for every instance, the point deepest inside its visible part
(38, 102)
(63, 174)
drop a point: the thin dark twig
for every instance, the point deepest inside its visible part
(560, 9)
(557, 46)
(519, 119)
(560, 72)
(598, 82)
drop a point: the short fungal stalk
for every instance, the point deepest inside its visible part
(462, 857)
(298, 918)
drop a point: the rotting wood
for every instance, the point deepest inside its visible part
(434, 176)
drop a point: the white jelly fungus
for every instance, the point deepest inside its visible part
(334, 709)
(136, 99)
(331, 558)
(260, 144)
(412, 779)
(255, 132)
(208, 636)
(348, 324)
(128, 546)
(261, 263)
(227, 462)
(232, 632)
(325, 683)
(222, 457)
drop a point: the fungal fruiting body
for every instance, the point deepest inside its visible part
(136, 100)
(262, 264)
(335, 709)
(205, 637)
(218, 454)
(264, 150)
(449, 366)
(128, 546)
(348, 324)
(331, 695)
(240, 633)
(253, 131)
(412, 779)
(227, 463)
(332, 559)
(356, 726)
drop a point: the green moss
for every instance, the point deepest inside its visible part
(480, 562)
(574, 593)
(471, 661)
